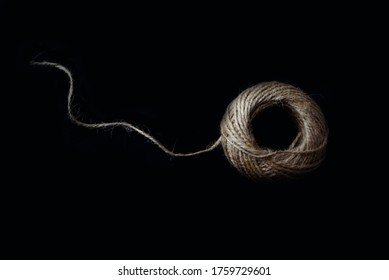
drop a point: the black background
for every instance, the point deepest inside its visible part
(172, 69)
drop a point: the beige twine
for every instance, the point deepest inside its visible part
(305, 153)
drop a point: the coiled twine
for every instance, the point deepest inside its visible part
(305, 153)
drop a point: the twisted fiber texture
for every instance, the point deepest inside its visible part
(305, 153)
(240, 147)
(126, 125)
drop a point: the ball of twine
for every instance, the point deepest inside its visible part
(305, 153)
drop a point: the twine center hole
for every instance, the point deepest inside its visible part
(275, 127)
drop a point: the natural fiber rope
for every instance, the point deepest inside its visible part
(240, 146)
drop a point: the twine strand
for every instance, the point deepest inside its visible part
(304, 154)
(126, 125)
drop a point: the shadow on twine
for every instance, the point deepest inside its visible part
(304, 154)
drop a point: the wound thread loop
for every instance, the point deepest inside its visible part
(304, 154)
